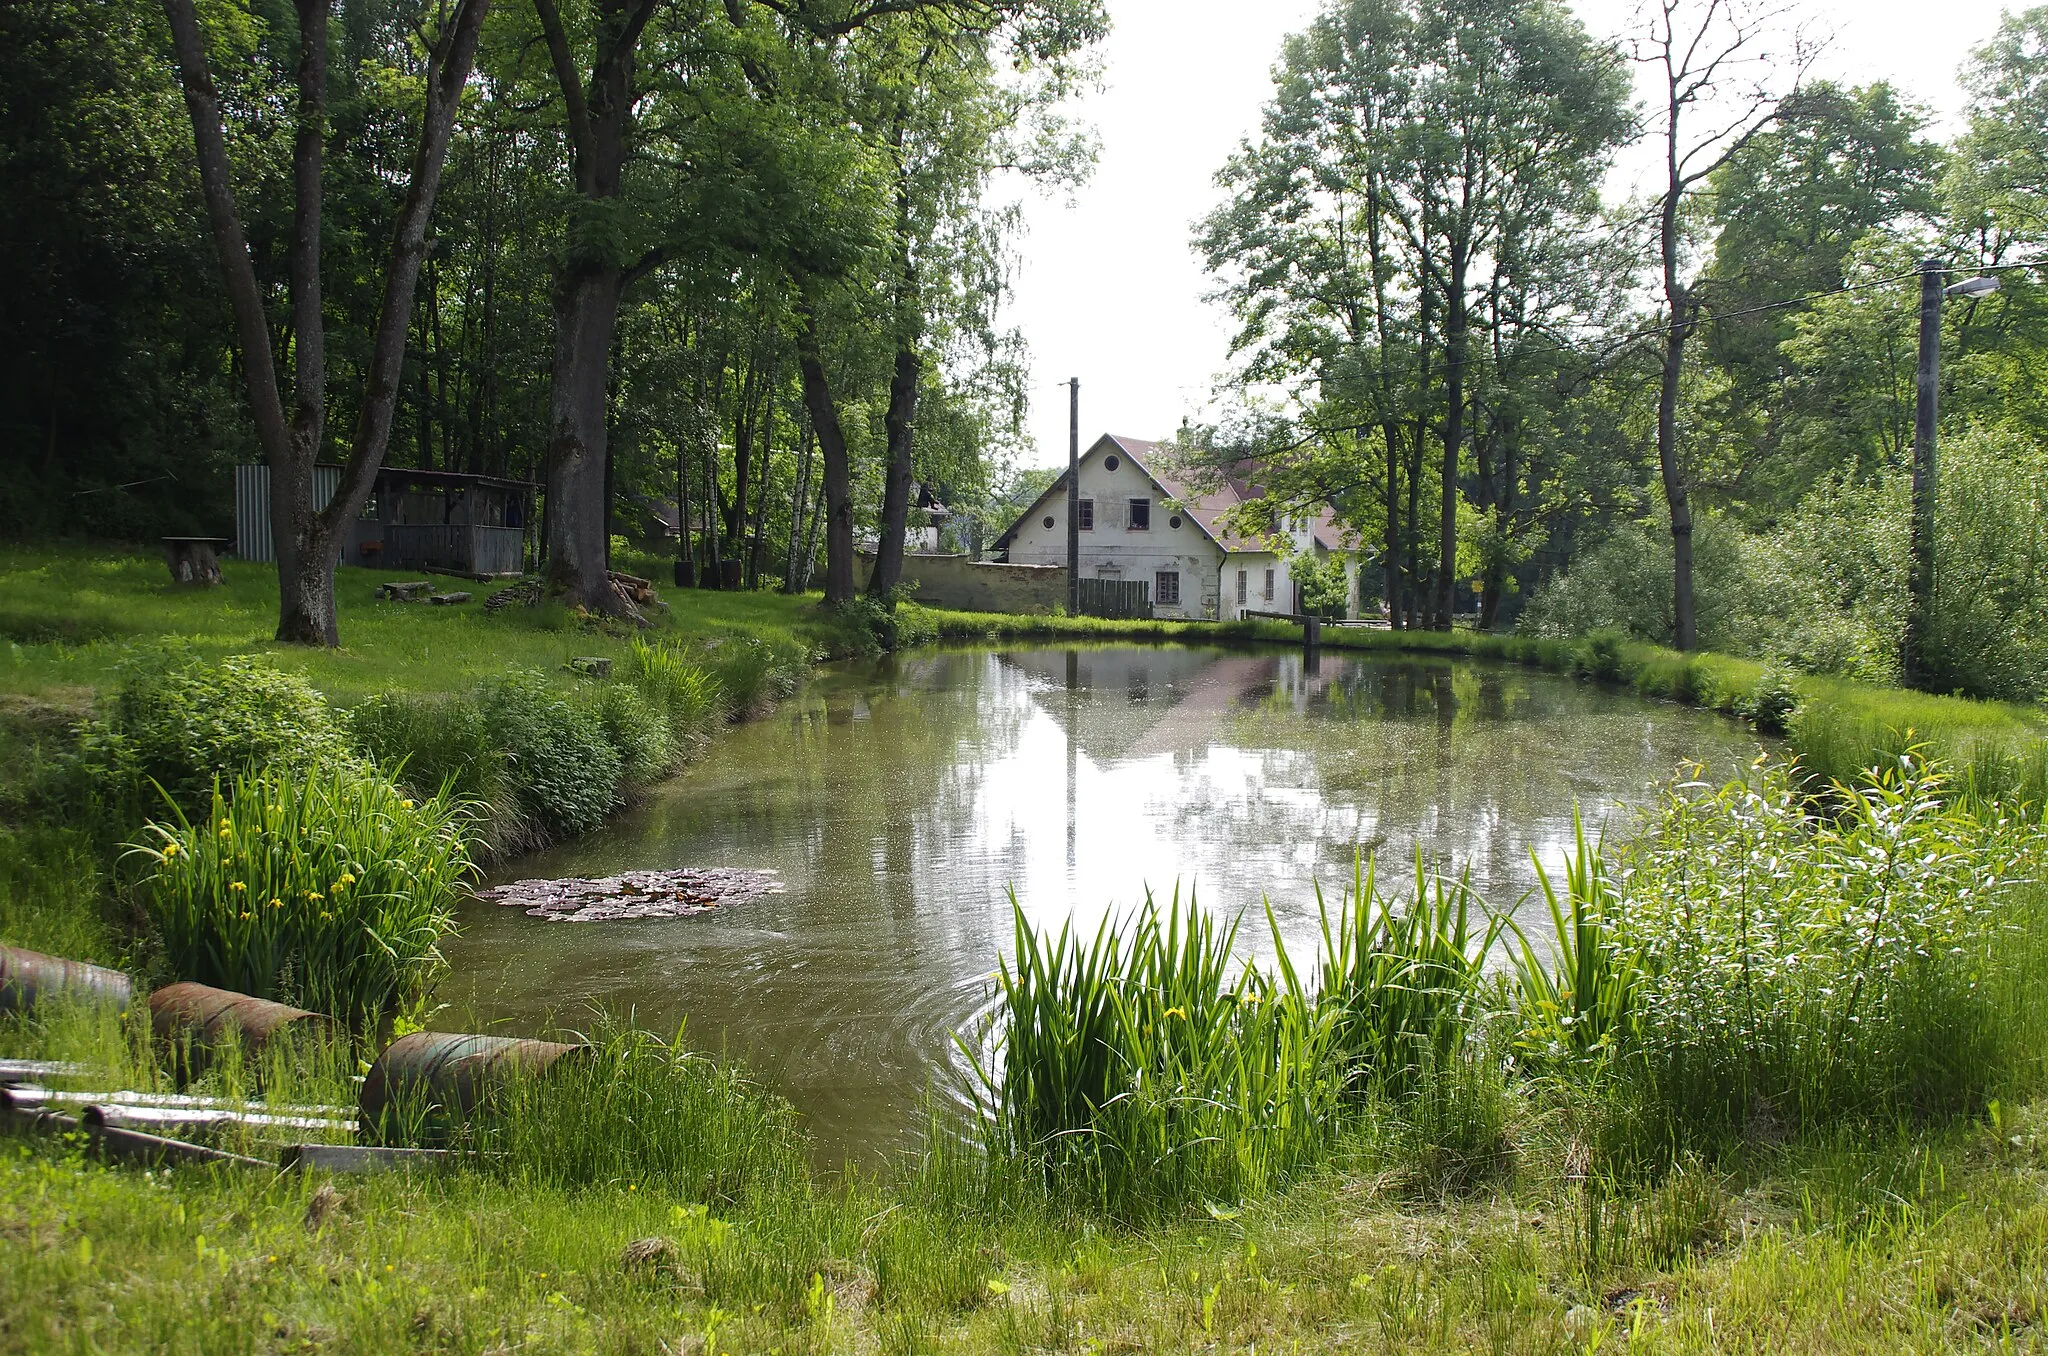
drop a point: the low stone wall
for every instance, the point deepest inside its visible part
(978, 585)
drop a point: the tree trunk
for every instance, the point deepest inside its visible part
(898, 420)
(1456, 335)
(766, 479)
(1684, 629)
(791, 583)
(588, 284)
(1415, 601)
(307, 544)
(838, 477)
(586, 311)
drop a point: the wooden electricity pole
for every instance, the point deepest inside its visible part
(1074, 497)
(1920, 527)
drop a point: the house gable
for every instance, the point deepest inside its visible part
(1131, 451)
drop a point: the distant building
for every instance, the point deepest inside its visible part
(1138, 522)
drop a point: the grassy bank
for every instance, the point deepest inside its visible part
(1923, 1243)
(1774, 1083)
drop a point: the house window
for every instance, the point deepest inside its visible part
(1166, 588)
(1087, 515)
(1174, 521)
(1241, 574)
(1048, 522)
(1110, 463)
(1141, 515)
(1269, 586)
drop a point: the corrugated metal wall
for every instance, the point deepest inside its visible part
(253, 539)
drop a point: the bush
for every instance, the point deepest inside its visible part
(427, 744)
(636, 731)
(1772, 703)
(324, 887)
(181, 723)
(753, 671)
(1827, 971)
(1623, 583)
(1988, 636)
(563, 774)
(1598, 657)
(1825, 591)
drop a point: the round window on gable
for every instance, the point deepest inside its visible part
(1174, 521)
(1048, 521)
(1110, 462)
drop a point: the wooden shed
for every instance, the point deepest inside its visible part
(415, 520)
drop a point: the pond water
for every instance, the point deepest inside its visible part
(902, 799)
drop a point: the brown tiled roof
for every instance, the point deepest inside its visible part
(1205, 507)
(1208, 506)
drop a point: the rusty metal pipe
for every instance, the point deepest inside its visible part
(426, 1086)
(28, 977)
(209, 1015)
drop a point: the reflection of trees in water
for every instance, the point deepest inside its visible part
(1476, 764)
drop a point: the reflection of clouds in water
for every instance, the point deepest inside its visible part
(900, 800)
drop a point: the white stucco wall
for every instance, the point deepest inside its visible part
(1255, 564)
(1112, 550)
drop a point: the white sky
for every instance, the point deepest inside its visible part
(1109, 289)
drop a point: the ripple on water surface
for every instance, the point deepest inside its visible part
(901, 799)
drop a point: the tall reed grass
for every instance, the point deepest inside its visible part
(645, 1112)
(1152, 1070)
(330, 889)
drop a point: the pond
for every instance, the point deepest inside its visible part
(902, 799)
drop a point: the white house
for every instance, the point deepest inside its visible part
(1139, 522)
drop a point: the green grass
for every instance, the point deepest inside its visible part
(1925, 1243)
(69, 614)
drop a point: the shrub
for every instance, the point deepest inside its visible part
(181, 723)
(430, 743)
(562, 772)
(1598, 657)
(1772, 703)
(1820, 971)
(753, 671)
(636, 731)
(325, 887)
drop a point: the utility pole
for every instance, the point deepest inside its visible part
(1920, 532)
(1913, 667)
(1074, 497)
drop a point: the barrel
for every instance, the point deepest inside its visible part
(28, 977)
(197, 1017)
(426, 1086)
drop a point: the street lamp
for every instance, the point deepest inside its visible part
(1920, 597)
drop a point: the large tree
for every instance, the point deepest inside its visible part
(308, 540)
(1421, 163)
(1720, 78)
